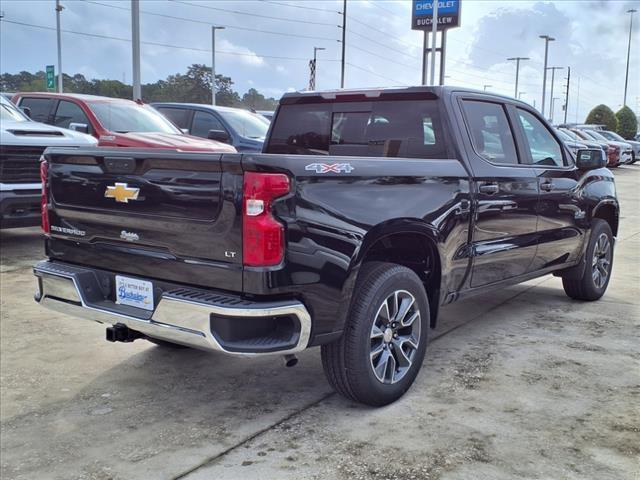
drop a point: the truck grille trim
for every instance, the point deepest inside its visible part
(20, 164)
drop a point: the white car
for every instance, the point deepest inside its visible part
(22, 142)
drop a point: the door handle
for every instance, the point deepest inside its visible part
(489, 188)
(547, 186)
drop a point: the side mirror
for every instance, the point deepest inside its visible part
(27, 111)
(218, 135)
(79, 127)
(590, 159)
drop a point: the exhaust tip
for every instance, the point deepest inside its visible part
(290, 361)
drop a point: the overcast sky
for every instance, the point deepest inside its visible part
(267, 44)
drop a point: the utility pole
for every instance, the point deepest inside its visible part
(566, 95)
(517, 59)
(486, 86)
(547, 39)
(553, 73)
(434, 35)
(135, 50)
(59, 9)
(344, 36)
(626, 78)
(312, 76)
(213, 63)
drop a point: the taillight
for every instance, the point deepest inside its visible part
(263, 235)
(44, 211)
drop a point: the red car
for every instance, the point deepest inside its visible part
(115, 122)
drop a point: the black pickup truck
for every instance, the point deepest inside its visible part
(367, 212)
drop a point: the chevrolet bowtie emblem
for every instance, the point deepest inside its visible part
(122, 193)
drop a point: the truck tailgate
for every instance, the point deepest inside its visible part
(153, 213)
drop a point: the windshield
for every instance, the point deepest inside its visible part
(564, 136)
(124, 117)
(9, 113)
(247, 124)
(595, 135)
(612, 136)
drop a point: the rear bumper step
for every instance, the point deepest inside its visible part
(196, 318)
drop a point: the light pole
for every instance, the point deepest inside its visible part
(312, 77)
(486, 86)
(135, 48)
(517, 59)
(553, 104)
(547, 39)
(59, 9)
(213, 63)
(553, 74)
(626, 78)
(344, 39)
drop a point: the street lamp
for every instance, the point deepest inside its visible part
(487, 86)
(213, 63)
(517, 59)
(520, 94)
(553, 76)
(553, 104)
(547, 39)
(626, 78)
(312, 68)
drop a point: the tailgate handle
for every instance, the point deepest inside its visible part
(120, 164)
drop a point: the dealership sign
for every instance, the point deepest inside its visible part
(422, 14)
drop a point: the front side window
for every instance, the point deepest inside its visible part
(68, 113)
(246, 124)
(203, 122)
(179, 116)
(124, 117)
(544, 148)
(490, 131)
(398, 128)
(39, 107)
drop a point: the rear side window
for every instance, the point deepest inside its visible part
(544, 148)
(490, 131)
(179, 116)
(40, 108)
(68, 113)
(203, 122)
(409, 129)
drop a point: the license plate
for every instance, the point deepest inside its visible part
(134, 292)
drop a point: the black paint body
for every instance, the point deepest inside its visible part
(189, 221)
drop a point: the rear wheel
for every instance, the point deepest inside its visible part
(385, 338)
(599, 260)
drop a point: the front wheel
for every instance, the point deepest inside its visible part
(385, 337)
(597, 271)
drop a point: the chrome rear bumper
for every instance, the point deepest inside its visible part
(181, 316)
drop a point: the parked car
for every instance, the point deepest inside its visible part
(7, 95)
(242, 129)
(22, 142)
(268, 114)
(368, 211)
(115, 122)
(571, 143)
(613, 150)
(635, 146)
(626, 151)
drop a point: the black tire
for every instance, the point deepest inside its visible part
(348, 362)
(165, 344)
(588, 287)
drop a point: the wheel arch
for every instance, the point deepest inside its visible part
(408, 242)
(608, 211)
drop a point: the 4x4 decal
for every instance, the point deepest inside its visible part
(330, 167)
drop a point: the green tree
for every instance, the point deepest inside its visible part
(256, 101)
(603, 115)
(627, 123)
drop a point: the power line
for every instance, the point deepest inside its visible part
(268, 17)
(300, 6)
(204, 22)
(376, 74)
(157, 44)
(381, 44)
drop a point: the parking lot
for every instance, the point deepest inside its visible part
(521, 383)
